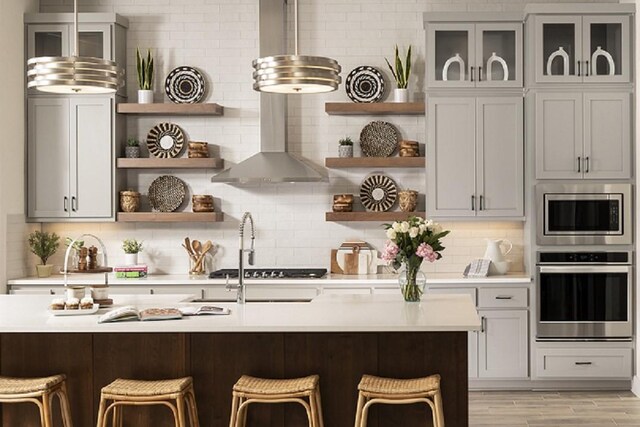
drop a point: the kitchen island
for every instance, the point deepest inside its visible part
(338, 337)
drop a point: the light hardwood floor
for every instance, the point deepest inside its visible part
(571, 408)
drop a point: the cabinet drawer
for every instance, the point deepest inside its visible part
(583, 363)
(469, 291)
(503, 297)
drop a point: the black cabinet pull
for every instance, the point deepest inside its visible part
(483, 322)
(66, 204)
(74, 204)
(579, 164)
(586, 71)
(586, 164)
(473, 202)
(481, 202)
(504, 297)
(583, 363)
(480, 73)
(472, 73)
(579, 68)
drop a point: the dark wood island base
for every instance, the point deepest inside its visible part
(217, 360)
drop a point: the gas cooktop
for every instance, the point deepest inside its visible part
(271, 273)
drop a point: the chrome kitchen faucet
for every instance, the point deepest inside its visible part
(251, 251)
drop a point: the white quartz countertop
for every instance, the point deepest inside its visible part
(327, 313)
(330, 279)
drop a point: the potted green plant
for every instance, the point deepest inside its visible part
(345, 147)
(43, 245)
(132, 149)
(401, 74)
(131, 248)
(144, 67)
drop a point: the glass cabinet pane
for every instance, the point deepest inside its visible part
(560, 49)
(453, 56)
(606, 49)
(48, 43)
(499, 52)
(91, 43)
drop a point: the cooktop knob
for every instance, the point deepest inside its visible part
(256, 275)
(273, 274)
(281, 275)
(265, 274)
(247, 275)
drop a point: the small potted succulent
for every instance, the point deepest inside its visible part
(132, 149)
(131, 248)
(345, 147)
(44, 245)
(401, 74)
(144, 67)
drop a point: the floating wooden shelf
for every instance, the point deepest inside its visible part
(370, 216)
(374, 162)
(170, 217)
(172, 109)
(179, 163)
(374, 108)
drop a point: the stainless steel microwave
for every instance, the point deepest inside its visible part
(584, 214)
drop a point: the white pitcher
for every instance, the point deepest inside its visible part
(494, 252)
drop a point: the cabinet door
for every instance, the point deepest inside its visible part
(95, 41)
(558, 128)
(558, 38)
(47, 40)
(502, 344)
(606, 49)
(499, 55)
(500, 158)
(48, 158)
(451, 153)
(451, 50)
(607, 135)
(91, 157)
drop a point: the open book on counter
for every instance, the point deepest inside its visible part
(129, 312)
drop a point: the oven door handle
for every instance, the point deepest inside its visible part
(584, 269)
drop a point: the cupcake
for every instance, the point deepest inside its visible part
(57, 304)
(72, 303)
(86, 303)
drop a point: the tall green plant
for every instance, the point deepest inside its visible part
(401, 72)
(145, 70)
(43, 244)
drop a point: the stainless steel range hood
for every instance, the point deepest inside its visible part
(272, 164)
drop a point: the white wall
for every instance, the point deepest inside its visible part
(12, 227)
(220, 37)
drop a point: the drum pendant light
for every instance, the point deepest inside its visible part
(295, 74)
(74, 74)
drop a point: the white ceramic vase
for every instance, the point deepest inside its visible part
(130, 259)
(400, 95)
(145, 97)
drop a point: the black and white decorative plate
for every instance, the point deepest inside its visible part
(378, 193)
(165, 140)
(365, 84)
(379, 139)
(184, 85)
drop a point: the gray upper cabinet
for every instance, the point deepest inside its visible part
(70, 158)
(58, 39)
(468, 55)
(583, 135)
(475, 146)
(582, 49)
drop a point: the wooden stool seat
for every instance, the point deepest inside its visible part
(176, 394)
(372, 390)
(248, 390)
(40, 391)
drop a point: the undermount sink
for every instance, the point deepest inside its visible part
(249, 301)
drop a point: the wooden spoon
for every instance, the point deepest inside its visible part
(206, 248)
(188, 247)
(197, 247)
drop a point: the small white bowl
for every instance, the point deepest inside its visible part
(500, 267)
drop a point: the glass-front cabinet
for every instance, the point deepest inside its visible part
(582, 49)
(58, 39)
(474, 55)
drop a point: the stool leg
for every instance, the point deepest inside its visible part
(46, 408)
(319, 404)
(359, 410)
(365, 412)
(101, 412)
(242, 414)
(437, 400)
(181, 415)
(313, 416)
(63, 397)
(234, 410)
(193, 408)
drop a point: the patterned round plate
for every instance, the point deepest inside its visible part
(184, 85)
(378, 193)
(365, 84)
(165, 140)
(379, 139)
(166, 193)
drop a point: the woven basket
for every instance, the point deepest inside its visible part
(129, 201)
(166, 193)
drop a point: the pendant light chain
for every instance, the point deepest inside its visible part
(76, 49)
(295, 26)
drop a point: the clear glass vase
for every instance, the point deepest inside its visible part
(412, 282)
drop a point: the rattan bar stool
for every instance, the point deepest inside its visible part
(374, 390)
(41, 392)
(250, 390)
(175, 394)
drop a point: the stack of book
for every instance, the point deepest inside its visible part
(131, 271)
